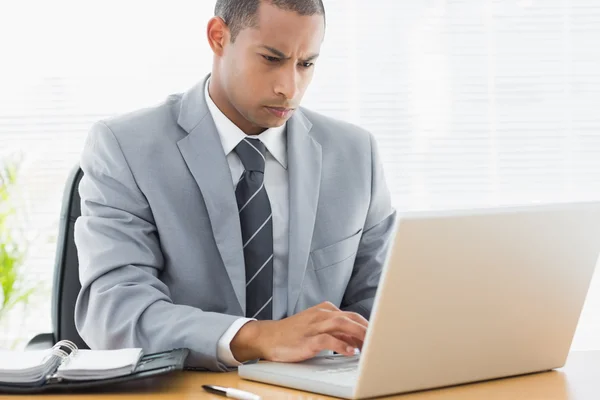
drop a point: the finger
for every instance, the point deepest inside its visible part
(359, 319)
(327, 306)
(328, 342)
(357, 344)
(341, 324)
(356, 317)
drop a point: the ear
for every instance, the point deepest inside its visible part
(218, 35)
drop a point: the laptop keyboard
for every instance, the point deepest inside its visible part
(337, 370)
(340, 365)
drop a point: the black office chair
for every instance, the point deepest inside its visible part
(66, 285)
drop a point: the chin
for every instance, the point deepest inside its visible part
(276, 124)
(271, 122)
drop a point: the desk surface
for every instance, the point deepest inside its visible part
(579, 379)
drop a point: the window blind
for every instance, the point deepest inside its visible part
(474, 103)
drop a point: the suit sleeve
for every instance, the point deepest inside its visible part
(122, 302)
(375, 241)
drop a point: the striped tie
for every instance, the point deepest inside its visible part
(257, 229)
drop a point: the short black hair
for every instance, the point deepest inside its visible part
(241, 14)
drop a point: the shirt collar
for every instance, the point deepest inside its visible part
(274, 139)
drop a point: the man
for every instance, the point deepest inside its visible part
(227, 220)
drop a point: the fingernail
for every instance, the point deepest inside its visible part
(350, 349)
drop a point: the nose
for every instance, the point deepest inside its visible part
(287, 83)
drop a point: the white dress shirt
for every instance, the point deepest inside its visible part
(276, 185)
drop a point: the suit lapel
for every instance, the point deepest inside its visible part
(203, 153)
(304, 172)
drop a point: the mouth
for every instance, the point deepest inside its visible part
(279, 112)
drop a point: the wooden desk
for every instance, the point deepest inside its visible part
(578, 380)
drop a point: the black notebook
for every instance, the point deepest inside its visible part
(67, 367)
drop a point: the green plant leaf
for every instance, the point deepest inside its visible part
(13, 246)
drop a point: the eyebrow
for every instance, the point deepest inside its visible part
(281, 55)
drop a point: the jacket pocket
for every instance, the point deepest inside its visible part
(337, 252)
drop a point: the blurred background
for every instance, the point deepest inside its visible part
(474, 103)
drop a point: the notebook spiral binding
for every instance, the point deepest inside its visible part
(62, 350)
(59, 350)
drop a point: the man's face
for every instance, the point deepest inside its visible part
(267, 69)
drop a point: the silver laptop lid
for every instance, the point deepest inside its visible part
(473, 295)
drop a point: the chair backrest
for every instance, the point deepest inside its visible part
(66, 269)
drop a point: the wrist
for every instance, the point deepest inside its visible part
(246, 344)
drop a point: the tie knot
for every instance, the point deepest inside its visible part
(252, 154)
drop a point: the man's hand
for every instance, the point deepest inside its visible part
(301, 336)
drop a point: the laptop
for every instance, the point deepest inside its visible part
(464, 296)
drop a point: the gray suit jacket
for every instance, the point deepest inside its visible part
(159, 242)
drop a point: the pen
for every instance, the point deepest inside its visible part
(231, 393)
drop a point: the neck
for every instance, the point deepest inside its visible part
(218, 96)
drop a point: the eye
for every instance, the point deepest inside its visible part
(270, 59)
(307, 64)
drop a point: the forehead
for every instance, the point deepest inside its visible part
(286, 30)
